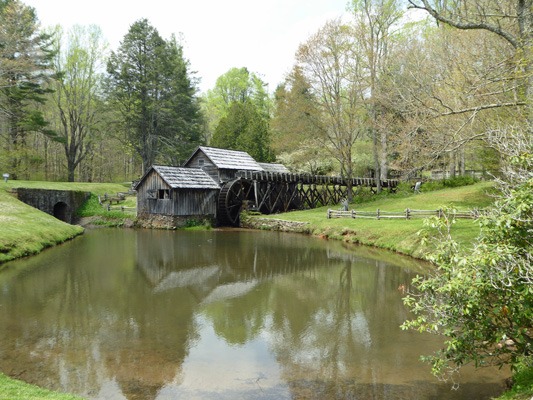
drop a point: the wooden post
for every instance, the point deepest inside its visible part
(407, 213)
(122, 208)
(377, 215)
(353, 213)
(329, 213)
(108, 207)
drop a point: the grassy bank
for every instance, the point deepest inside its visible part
(25, 230)
(398, 234)
(96, 188)
(13, 389)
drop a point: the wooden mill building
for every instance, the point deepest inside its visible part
(221, 164)
(188, 193)
(217, 184)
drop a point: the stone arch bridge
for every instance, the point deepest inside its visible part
(61, 204)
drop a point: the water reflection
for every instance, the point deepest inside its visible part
(155, 314)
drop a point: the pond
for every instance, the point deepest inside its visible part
(147, 314)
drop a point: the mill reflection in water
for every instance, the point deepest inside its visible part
(121, 314)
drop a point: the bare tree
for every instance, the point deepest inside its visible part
(375, 22)
(78, 65)
(449, 87)
(510, 20)
(332, 67)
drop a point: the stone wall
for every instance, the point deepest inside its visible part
(160, 221)
(61, 204)
(272, 224)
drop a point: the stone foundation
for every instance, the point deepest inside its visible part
(274, 224)
(160, 221)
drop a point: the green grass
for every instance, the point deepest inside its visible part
(13, 389)
(107, 218)
(398, 234)
(24, 230)
(96, 188)
(522, 388)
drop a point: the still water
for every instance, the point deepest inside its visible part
(124, 314)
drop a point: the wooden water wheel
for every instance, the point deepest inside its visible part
(231, 199)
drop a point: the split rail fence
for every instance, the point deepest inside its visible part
(407, 214)
(106, 201)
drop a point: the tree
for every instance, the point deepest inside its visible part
(512, 23)
(481, 300)
(374, 24)
(332, 66)
(294, 131)
(238, 84)
(181, 114)
(149, 84)
(244, 129)
(441, 81)
(24, 57)
(78, 97)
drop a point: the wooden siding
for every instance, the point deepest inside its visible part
(181, 202)
(200, 160)
(227, 174)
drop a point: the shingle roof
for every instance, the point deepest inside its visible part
(277, 168)
(183, 178)
(229, 159)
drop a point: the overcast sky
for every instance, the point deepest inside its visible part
(218, 35)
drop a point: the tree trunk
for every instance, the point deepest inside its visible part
(384, 163)
(462, 161)
(349, 180)
(377, 173)
(452, 164)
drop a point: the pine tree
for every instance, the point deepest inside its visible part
(150, 85)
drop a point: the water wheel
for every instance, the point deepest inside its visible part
(231, 199)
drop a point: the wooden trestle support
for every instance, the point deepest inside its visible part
(270, 192)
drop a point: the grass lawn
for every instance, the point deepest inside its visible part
(398, 234)
(96, 188)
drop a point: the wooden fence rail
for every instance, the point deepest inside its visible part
(406, 214)
(106, 202)
(123, 209)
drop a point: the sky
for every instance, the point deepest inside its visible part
(262, 36)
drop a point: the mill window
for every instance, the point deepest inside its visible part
(163, 194)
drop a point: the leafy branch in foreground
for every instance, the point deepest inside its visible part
(482, 300)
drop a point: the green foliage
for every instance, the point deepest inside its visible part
(244, 129)
(522, 383)
(448, 183)
(93, 208)
(481, 301)
(238, 84)
(24, 68)
(194, 224)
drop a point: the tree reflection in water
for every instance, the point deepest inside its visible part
(158, 314)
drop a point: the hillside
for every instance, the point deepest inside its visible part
(399, 234)
(25, 230)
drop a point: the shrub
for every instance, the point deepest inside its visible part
(481, 301)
